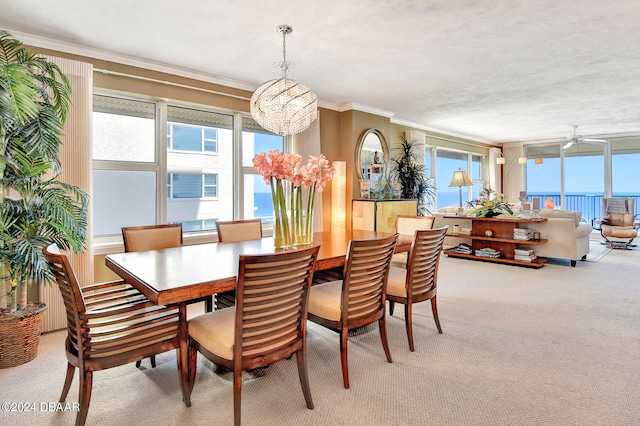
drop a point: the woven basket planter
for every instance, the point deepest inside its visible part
(20, 334)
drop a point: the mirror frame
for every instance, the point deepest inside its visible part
(385, 151)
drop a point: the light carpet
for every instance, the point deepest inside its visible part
(550, 346)
(596, 251)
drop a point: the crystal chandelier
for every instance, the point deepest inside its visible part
(282, 105)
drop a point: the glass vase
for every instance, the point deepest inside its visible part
(292, 227)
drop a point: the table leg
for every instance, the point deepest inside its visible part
(183, 363)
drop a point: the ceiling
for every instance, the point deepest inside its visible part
(488, 70)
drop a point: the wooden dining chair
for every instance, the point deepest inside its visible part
(230, 232)
(108, 325)
(157, 237)
(408, 225)
(418, 281)
(268, 322)
(359, 298)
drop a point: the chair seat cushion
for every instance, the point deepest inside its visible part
(215, 331)
(399, 260)
(396, 282)
(619, 231)
(325, 300)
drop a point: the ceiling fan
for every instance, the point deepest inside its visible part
(578, 139)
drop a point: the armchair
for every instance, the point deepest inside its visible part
(619, 226)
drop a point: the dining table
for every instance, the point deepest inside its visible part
(178, 275)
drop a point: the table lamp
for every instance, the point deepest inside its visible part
(460, 179)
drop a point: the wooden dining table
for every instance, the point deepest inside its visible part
(181, 274)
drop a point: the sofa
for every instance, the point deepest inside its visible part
(566, 232)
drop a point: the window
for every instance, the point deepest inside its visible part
(183, 137)
(447, 162)
(189, 185)
(176, 164)
(257, 194)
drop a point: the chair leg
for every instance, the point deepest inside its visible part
(237, 392)
(152, 358)
(434, 309)
(382, 324)
(208, 304)
(344, 336)
(192, 358)
(67, 381)
(86, 383)
(301, 358)
(391, 306)
(408, 324)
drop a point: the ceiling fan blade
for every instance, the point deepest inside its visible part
(568, 144)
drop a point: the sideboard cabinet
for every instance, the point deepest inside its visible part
(380, 215)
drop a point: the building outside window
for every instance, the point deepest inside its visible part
(175, 164)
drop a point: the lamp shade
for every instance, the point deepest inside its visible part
(500, 160)
(338, 196)
(460, 178)
(522, 160)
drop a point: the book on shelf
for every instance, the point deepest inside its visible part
(521, 234)
(487, 252)
(463, 249)
(464, 231)
(524, 255)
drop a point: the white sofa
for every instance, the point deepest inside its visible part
(567, 234)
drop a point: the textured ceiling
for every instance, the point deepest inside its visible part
(491, 70)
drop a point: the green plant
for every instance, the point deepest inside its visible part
(491, 204)
(408, 170)
(36, 208)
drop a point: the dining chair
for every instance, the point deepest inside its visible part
(108, 325)
(230, 232)
(359, 298)
(157, 237)
(418, 281)
(408, 225)
(268, 322)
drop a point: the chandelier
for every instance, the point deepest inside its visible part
(282, 105)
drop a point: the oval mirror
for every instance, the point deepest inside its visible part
(373, 160)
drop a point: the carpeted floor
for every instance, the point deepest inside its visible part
(596, 251)
(552, 346)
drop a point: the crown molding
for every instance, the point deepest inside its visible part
(105, 55)
(441, 132)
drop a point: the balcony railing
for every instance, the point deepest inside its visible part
(589, 205)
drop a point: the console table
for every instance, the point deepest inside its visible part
(501, 239)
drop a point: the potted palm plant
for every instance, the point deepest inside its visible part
(408, 170)
(36, 208)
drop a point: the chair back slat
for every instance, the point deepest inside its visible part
(272, 300)
(423, 262)
(365, 277)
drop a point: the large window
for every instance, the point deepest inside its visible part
(447, 162)
(579, 177)
(175, 164)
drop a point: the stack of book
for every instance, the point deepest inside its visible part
(463, 248)
(521, 234)
(488, 252)
(464, 231)
(523, 255)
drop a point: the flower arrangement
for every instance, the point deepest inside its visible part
(491, 204)
(292, 217)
